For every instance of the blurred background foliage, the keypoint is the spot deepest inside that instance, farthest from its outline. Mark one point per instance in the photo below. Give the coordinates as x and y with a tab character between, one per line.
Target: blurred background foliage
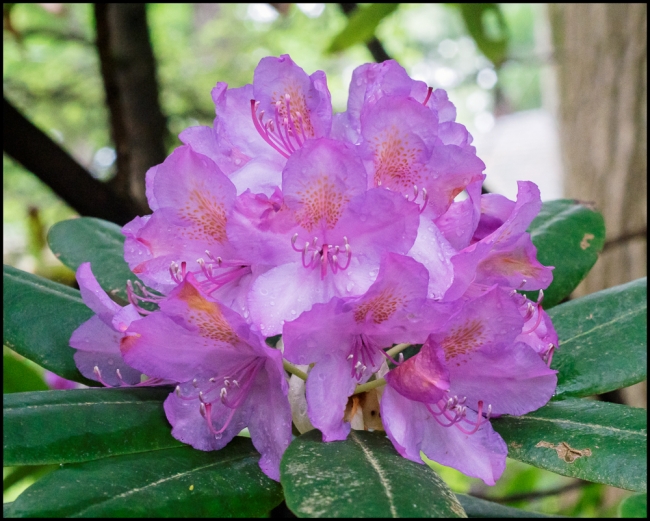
490	57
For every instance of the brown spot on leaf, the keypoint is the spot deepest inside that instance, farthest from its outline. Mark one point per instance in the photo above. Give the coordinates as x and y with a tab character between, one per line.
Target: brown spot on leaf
584	243
565	452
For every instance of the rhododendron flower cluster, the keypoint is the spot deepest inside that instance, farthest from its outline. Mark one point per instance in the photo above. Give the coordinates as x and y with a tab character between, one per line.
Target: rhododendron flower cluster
352	235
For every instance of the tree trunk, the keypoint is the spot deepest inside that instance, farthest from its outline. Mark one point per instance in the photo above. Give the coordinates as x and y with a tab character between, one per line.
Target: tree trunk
128	68
600	51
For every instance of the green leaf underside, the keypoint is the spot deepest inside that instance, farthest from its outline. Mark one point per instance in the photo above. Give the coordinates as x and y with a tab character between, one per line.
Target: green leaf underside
39	317
361	476
99	242
586	439
178	482
361	26
603	340
18	377
568	235
84	424
477	507
635	506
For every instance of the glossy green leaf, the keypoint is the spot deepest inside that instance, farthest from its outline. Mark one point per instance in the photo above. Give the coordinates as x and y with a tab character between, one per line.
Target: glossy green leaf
83	424
603	340
96	241
569	235
39	317
487	26
634	506
361	26
586	439
363	476
19	377
476	507
7	510
179	482
17	474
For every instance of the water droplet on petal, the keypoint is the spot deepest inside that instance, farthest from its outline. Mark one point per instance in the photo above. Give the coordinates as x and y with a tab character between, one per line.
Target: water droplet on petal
293	311
272	303
264	291
349	287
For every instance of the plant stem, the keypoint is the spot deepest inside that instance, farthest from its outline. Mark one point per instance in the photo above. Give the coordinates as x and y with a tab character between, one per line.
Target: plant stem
370	385
397	349
290	368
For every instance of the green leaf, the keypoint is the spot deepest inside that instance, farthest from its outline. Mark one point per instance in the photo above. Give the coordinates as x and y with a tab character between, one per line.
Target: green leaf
363	476
586	439
569	235
83	424
16	474
39	317
99	242
179	482
7	510
634	506
361	26
603	340
487	26
18	377
476	507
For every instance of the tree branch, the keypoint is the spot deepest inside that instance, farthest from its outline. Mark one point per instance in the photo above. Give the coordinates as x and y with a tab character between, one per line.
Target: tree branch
32	148
128	67
375	47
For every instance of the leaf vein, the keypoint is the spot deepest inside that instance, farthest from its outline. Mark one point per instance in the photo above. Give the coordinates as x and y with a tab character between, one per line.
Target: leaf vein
380	473
599	326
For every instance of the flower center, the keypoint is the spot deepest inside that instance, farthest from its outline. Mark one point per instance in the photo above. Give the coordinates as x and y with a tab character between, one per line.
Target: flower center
231	390
323	256
285	132
454	411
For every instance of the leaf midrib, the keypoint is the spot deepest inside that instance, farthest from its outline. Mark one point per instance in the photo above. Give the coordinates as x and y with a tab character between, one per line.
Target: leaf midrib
382	479
636	311
180	474
55	291
640	434
75	404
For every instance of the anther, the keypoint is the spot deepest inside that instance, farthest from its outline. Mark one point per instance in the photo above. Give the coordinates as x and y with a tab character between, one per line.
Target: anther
400	359
178	390
223	393
201	396
350	357
212	380
195	382
202	409
489	411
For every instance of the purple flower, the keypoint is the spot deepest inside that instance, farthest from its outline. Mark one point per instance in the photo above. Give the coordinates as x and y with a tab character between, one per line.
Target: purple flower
259	126
439	401
341	231
192	201
56	382
346	338
501	251
97	340
231	379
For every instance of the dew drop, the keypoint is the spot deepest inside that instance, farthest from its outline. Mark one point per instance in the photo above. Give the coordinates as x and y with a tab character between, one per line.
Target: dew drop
110	361
264	291
293	311
272	303
349	287
237	161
